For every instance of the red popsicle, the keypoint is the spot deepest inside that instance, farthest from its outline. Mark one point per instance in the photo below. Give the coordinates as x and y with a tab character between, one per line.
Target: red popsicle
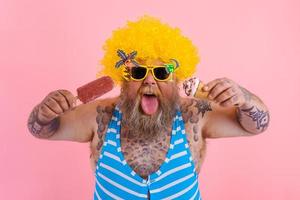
95	89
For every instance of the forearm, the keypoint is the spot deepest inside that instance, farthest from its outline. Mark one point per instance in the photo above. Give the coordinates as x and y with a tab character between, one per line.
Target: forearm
253	115
39	129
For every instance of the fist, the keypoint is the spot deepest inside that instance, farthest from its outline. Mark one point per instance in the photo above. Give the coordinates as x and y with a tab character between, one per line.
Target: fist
54	104
226	92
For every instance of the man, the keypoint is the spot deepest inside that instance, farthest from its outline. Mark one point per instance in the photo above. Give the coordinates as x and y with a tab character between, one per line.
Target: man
149	142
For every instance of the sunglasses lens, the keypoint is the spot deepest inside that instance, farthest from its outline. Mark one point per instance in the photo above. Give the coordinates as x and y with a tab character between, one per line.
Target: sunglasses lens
138	72
161	73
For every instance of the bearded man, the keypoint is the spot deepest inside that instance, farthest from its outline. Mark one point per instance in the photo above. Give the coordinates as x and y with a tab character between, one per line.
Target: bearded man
149	142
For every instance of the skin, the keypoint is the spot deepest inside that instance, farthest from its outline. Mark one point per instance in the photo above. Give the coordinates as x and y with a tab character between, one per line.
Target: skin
229	111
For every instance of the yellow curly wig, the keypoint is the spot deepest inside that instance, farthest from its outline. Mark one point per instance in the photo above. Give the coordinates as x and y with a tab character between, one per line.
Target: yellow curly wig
152	39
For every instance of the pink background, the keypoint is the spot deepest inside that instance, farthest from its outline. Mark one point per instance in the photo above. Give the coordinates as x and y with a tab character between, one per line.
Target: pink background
49	45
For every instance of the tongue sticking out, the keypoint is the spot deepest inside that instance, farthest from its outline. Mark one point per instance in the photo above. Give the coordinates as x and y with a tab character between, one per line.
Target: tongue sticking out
149	104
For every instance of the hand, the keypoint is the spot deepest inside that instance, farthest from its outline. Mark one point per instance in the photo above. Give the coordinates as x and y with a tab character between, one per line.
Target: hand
54	104
226	92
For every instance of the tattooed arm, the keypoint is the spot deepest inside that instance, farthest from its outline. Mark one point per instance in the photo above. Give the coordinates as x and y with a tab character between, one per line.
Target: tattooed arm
235	111
209	120
56	118
253	115
76	124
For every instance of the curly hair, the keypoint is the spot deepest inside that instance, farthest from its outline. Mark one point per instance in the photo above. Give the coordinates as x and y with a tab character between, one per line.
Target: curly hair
152	39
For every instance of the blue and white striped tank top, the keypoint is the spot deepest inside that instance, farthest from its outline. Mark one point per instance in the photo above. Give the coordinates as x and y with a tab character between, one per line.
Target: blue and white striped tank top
175	179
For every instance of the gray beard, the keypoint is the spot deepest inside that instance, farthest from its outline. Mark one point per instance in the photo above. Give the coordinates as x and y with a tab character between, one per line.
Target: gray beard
139	124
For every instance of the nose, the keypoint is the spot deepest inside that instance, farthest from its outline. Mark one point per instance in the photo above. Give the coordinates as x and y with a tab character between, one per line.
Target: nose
149	80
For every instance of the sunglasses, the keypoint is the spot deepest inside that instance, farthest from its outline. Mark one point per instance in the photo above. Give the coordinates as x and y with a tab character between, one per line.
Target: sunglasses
160	73
139	72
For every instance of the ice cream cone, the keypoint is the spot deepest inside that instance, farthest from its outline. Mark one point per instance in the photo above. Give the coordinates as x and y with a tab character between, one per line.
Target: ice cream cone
200	93
193	88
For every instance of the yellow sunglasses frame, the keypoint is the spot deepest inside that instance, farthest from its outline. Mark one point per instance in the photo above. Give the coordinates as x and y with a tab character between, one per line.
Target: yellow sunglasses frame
127	76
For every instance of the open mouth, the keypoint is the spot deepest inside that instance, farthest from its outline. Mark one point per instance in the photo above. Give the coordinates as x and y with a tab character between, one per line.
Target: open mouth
149	103
149	95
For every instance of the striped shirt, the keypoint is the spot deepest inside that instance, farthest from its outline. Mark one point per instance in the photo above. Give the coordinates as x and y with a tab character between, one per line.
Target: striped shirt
175	179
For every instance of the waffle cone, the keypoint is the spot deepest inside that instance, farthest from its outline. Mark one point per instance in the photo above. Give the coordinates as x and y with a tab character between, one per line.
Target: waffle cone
199	93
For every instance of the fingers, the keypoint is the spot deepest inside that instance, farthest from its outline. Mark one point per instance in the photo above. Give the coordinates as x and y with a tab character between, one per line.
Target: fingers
213	83
216	87
234	100
69	97
54	104
45	114
226	94
61	101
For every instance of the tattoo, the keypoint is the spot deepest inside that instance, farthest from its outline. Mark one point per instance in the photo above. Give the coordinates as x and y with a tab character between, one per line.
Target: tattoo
39	129
102	119
192	108
239	115
261	117
143	154
196	132
203	106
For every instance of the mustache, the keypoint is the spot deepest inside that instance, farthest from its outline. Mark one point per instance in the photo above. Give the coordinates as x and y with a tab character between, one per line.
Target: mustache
150	90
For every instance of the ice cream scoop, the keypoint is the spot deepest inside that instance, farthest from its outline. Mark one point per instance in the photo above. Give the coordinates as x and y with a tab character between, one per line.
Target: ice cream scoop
94	89
193	87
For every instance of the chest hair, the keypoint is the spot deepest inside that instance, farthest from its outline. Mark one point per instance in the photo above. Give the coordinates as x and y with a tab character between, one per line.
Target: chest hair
144	154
